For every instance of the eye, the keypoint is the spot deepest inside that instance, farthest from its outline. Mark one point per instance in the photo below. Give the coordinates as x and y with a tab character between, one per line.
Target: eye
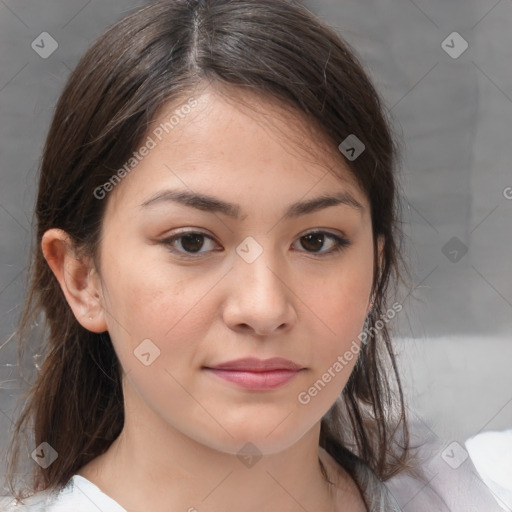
190	242
314	241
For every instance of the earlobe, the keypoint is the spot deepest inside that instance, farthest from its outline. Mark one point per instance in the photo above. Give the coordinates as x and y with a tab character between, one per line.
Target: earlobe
77	279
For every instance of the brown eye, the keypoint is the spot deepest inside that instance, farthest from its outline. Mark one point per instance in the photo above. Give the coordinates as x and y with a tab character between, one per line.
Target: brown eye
316	241
193	242
313	241
189	243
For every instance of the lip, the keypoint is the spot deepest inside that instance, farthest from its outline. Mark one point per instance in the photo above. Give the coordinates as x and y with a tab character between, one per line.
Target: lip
253	364
256	374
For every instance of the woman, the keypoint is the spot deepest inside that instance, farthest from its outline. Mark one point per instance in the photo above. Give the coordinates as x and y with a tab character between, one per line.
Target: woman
216	234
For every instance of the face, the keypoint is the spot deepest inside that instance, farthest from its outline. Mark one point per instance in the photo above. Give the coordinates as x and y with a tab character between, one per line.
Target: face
188	284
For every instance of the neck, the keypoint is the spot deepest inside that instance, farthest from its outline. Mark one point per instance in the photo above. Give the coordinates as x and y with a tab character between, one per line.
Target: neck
154	466
185	475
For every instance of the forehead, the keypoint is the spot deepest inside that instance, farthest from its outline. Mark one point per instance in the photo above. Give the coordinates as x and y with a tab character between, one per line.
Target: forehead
224	142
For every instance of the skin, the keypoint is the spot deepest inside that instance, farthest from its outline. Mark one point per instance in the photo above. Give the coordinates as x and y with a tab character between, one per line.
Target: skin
184	426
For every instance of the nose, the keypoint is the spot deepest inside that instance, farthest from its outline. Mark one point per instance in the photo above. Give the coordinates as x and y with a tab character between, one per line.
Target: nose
259	300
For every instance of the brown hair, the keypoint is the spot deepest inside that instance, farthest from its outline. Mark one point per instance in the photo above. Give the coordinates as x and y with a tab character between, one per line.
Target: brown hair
155	56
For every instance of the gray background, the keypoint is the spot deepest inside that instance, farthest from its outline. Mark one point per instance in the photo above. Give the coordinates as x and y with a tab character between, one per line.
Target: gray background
455	118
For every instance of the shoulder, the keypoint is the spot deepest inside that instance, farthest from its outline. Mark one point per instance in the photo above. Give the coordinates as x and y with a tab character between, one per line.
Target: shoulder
442	484
79	495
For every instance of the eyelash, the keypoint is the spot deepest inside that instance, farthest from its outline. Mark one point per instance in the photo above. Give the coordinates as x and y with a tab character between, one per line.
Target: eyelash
340	243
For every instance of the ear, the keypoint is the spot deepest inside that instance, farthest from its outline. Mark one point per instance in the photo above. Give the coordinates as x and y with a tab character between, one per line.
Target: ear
380	246
78	279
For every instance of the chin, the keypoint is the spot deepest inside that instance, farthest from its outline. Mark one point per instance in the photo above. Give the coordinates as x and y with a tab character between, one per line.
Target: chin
260	439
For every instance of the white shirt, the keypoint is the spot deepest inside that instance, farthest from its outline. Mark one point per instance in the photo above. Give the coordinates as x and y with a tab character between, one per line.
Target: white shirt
455	490
79	495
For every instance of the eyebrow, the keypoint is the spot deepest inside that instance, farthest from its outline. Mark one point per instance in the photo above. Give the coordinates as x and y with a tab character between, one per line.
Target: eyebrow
212	204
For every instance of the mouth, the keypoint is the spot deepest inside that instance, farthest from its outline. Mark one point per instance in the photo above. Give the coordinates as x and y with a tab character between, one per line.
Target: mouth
258	380
256	374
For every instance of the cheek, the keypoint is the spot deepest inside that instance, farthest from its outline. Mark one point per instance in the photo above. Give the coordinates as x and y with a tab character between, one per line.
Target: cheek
157	301
338	304
340	313
341	299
